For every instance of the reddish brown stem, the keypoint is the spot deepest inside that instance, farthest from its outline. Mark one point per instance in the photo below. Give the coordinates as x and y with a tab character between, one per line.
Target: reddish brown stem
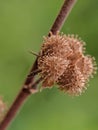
25	91
21	97
62	16
13	110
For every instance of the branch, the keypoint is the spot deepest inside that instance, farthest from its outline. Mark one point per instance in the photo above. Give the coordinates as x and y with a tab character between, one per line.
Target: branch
25	92
19	101
62	16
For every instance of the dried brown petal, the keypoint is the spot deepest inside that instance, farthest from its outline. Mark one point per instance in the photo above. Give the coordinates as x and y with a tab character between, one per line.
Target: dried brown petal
56	45
86	66
51	68
72	81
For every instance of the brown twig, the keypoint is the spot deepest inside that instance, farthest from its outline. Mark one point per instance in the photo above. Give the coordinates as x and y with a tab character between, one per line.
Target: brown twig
62	16
20	99
26	89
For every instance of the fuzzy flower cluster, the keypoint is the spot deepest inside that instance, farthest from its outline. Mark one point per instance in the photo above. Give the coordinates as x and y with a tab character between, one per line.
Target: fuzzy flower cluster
2	109
62	62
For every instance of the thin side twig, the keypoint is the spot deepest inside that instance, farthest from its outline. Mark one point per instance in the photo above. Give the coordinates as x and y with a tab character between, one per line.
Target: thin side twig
25	91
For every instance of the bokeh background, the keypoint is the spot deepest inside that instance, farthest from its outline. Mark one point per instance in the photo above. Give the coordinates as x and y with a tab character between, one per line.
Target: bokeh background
23	23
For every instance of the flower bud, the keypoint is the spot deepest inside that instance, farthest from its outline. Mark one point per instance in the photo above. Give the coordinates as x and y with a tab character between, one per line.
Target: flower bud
62	61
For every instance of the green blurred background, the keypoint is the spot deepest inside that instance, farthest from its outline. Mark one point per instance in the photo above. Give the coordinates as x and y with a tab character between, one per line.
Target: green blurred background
22	26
